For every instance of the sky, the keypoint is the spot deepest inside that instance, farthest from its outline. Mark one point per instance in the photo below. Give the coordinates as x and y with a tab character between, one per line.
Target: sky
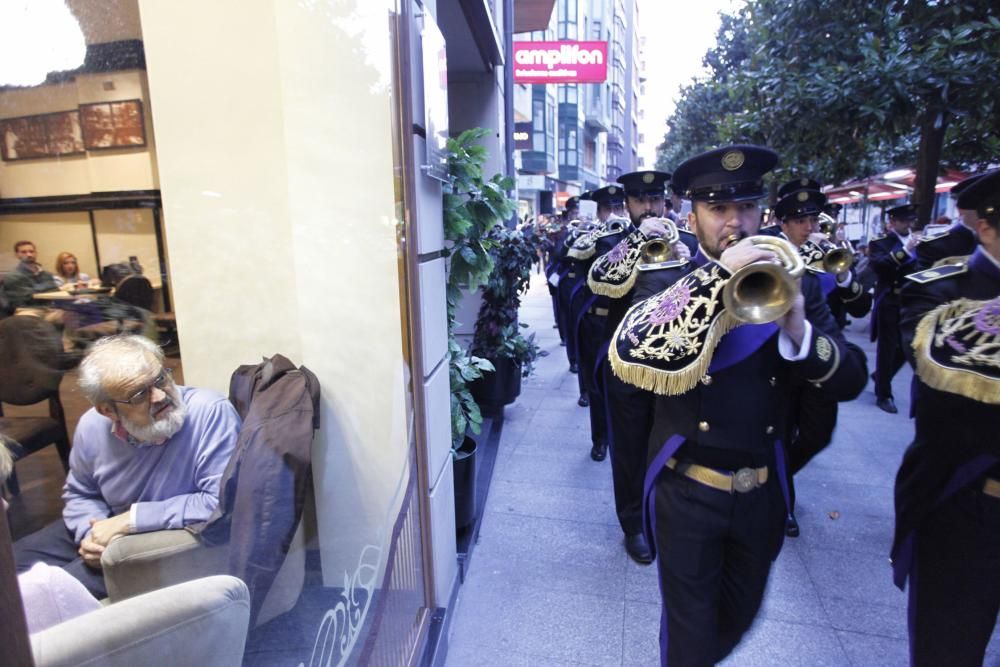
677	35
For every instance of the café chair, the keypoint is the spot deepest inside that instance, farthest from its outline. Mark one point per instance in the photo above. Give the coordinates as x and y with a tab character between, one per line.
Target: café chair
200	622
135	290
31	368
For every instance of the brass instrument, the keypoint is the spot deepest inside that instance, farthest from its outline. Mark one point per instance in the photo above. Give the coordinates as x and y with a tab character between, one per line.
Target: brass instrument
615	224
660	249
764	291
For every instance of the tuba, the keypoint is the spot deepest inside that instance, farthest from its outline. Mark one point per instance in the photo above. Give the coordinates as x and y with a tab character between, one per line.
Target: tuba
764	291
660	249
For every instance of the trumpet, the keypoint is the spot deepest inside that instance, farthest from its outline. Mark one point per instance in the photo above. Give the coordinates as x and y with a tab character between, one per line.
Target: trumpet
615	224
827	225
835	259
763	291
660	249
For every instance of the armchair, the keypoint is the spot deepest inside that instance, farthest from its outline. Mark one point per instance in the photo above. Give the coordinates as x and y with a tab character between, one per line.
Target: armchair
200	622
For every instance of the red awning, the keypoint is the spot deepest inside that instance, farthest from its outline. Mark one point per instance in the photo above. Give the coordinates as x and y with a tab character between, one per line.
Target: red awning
889	186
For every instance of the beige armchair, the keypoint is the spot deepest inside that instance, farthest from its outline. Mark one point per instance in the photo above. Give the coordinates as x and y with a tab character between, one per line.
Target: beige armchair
137	564
201	622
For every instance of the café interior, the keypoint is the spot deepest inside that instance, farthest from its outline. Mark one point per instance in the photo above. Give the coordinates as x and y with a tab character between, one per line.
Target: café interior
210	189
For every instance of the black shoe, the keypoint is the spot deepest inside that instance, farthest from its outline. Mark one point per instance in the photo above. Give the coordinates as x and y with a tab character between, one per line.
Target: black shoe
637	549
573	368
599	451
791	527
887	404
583	401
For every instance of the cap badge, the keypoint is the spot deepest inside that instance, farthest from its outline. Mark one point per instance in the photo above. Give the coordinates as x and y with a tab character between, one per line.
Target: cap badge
803	196
804	181
648	178
612	190
732	160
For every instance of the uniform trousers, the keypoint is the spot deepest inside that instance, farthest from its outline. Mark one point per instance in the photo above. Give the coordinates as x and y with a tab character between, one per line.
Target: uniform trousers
630	416
889	357
591	334
955	587
55	545
714	554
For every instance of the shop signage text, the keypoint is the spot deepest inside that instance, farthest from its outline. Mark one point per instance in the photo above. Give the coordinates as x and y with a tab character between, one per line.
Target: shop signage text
560	62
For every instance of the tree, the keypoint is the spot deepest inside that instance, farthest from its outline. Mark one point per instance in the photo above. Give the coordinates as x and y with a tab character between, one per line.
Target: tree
846	89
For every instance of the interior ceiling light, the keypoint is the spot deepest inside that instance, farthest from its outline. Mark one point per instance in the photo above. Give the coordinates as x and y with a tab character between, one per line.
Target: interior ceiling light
40	36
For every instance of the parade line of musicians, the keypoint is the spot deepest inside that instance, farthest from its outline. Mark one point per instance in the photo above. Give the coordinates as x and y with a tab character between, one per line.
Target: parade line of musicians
710	354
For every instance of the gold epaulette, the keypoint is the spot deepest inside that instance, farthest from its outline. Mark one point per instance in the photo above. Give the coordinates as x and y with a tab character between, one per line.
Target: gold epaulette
955	347
613	273
947	268
665	343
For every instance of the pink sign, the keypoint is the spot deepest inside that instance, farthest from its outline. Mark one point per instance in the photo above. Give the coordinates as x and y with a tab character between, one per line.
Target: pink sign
560	62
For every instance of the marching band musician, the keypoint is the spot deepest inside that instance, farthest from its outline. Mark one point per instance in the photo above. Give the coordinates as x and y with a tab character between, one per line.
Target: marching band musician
947	538
893	257
958	240
714	502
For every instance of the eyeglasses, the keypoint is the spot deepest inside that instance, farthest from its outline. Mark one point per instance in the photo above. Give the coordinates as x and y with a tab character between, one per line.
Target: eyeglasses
138	398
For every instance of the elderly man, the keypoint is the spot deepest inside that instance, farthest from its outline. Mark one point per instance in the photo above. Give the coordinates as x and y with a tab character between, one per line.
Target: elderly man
148	456
27	279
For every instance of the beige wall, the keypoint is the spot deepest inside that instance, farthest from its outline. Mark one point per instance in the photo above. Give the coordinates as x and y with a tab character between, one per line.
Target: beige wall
96	171
275	127
122	233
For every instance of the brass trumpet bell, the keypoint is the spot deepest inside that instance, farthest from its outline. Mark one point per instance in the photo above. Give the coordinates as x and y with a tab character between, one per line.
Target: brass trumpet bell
660	249
655	251
762	292
837	260
616	224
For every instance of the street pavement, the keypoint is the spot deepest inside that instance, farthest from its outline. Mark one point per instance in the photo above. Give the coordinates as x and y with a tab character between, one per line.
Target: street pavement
549	582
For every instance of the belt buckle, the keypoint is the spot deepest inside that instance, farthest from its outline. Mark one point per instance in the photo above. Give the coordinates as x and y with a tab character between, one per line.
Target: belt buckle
745	479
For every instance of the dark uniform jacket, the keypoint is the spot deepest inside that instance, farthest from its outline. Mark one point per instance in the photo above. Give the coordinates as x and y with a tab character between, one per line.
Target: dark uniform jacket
951	429
957	241
891	264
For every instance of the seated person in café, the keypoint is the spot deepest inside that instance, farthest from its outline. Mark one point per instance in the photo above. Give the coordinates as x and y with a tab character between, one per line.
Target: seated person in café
27	279
68	271
49	594
148	456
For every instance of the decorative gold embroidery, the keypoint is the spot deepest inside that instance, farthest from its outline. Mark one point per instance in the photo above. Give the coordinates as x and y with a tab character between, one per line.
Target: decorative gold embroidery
613	273
665	343
957	348
823	348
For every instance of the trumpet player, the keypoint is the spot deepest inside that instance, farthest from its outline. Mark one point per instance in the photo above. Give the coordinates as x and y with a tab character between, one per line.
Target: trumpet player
947	493
814	415
715	507
893	257
958	240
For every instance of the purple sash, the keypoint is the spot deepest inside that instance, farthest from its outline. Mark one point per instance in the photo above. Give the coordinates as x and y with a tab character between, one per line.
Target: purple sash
739	344
656	466
827	283
902	558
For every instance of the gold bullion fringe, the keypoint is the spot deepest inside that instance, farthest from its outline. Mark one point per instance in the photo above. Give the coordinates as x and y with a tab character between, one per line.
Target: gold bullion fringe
584	253
952	380
671	383
610	289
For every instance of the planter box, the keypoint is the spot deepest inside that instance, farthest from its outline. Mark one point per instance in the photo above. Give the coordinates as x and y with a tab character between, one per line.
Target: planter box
464	469
497	389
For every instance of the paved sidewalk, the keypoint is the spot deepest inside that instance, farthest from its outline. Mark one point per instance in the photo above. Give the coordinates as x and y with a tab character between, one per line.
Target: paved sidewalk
550	584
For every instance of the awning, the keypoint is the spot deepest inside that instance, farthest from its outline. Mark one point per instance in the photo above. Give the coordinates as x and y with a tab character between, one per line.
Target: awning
888	186
531	15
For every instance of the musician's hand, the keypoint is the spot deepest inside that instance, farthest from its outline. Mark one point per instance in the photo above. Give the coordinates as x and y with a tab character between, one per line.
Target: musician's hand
653	228
911	243
818	238
736	256
793	323
681	251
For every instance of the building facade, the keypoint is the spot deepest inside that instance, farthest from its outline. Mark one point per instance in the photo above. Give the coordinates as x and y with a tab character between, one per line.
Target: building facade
582	135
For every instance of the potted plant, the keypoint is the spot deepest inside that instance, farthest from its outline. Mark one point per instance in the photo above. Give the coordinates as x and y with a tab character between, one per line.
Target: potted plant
498	335
472	206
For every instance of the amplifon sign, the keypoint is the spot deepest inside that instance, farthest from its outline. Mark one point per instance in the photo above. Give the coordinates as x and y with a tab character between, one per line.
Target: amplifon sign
560	62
